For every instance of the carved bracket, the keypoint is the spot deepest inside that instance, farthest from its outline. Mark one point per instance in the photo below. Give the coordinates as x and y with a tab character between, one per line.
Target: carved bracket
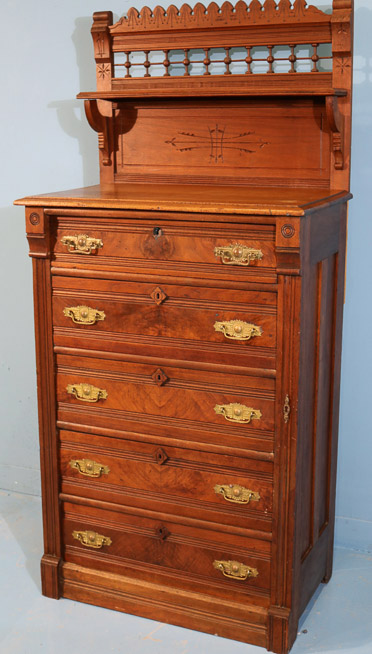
100	124
336	123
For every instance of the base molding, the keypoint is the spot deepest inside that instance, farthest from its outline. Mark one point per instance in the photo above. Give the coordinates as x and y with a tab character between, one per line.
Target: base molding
193	610
50	577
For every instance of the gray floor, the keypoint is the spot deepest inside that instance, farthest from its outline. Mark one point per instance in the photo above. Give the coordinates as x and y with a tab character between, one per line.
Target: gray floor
338	620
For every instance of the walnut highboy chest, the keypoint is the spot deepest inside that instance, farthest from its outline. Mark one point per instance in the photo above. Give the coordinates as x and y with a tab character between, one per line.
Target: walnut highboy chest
188	317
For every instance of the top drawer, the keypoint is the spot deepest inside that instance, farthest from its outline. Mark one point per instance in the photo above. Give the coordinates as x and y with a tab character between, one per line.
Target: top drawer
233	252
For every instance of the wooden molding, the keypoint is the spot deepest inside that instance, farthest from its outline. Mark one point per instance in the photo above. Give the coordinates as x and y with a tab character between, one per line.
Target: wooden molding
202	17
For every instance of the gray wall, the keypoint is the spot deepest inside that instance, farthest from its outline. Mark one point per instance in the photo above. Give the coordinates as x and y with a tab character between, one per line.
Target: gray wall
48	146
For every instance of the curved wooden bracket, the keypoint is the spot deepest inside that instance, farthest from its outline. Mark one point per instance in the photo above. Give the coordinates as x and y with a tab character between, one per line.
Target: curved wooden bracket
100	124
336	123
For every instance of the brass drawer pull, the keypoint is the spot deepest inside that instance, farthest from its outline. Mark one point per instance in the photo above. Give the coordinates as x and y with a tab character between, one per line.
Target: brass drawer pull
92	539
82	243
235	570
89	468
87	392
235	493
235	412
83	315
237	254
238	330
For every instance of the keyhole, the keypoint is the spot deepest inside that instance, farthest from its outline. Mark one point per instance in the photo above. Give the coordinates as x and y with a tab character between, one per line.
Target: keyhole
158	295
157	232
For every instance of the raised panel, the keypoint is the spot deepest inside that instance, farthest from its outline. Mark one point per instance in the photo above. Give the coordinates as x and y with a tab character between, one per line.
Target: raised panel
208	142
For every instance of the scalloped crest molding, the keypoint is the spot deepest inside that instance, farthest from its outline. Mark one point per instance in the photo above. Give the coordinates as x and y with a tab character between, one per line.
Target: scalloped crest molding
228	15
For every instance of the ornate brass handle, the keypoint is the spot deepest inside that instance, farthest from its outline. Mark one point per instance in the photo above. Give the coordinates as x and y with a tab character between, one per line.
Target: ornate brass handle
92	539
235	570
83	315
82	243
87	392
237	254
89	468
235	412
238	330
236	493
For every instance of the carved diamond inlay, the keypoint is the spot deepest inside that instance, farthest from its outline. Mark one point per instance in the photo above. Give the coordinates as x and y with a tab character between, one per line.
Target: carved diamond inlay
160	456
158	295
159	377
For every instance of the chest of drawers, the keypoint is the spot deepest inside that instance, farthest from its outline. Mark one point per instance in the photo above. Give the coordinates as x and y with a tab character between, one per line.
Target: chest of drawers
188	342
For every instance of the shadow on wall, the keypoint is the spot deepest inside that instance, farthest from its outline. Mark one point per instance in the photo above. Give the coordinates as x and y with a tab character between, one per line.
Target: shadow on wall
70	113
362	101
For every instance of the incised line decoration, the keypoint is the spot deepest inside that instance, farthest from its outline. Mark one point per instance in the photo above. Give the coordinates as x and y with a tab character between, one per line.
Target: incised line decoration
216	142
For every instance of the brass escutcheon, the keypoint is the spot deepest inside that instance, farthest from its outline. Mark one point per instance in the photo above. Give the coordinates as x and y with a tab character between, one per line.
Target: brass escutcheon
87	392
235	570
237	254
89	468
286	409
82	243
235	493
238	330
92	539
84	315
235	412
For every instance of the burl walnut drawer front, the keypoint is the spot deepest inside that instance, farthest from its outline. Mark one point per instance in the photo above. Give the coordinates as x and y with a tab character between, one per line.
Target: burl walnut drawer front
195	398
233	251
129	542
219	488
231	326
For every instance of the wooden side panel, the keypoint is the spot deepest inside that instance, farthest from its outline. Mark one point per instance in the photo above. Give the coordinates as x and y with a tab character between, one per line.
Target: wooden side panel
322	303
213	142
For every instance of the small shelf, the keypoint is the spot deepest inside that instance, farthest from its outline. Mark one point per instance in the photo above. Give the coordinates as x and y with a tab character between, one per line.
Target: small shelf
237	85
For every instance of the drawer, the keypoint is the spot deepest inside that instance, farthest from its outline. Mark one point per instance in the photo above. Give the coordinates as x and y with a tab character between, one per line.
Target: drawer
230	326
175	396
233	251
219	488
132	543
